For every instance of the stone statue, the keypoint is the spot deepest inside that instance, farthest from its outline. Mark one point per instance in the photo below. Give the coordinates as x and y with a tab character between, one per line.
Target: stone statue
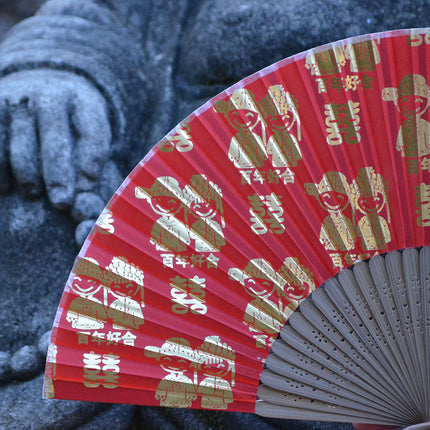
86	88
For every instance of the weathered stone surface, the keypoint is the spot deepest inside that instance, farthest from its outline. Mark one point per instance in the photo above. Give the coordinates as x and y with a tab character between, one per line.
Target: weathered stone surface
26	362
5	369
87	206
37	252
22	407
43	343
19	9
82	231
229	39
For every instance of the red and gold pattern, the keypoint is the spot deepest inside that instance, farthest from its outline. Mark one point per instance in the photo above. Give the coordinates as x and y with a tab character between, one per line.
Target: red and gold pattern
268	190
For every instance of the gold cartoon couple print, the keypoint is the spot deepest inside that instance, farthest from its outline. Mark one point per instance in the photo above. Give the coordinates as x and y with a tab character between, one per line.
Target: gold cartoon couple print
268	129
188	216
207	372
358	220
113	295
275	295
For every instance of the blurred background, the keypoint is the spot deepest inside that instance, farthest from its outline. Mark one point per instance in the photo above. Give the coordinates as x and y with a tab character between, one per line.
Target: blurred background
12	11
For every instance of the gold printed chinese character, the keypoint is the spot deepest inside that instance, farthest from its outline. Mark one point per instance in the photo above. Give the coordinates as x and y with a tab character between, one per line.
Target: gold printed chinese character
280	110
266	214
247	147
176	357
333	194
188	294
166	199
411	99
181	140
342	121
326	65
369	195
267	313
204	198
216	362
101	370
423	204
415	39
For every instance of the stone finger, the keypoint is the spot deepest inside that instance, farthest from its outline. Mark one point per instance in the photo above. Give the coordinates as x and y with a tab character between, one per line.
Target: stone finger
24	156
93	139
58	161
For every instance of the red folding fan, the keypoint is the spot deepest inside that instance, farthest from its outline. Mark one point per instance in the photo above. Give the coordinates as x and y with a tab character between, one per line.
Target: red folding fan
312	165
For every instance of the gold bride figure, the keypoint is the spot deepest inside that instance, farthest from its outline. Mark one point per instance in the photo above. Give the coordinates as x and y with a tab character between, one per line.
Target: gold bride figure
369	195
280	109
204	199
125	311
337	230
216	363
247	147
363	56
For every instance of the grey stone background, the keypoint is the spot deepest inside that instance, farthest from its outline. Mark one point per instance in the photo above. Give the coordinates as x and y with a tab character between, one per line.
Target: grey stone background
86	88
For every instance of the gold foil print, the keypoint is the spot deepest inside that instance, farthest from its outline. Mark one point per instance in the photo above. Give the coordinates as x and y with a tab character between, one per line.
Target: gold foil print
337	230
362	56
342	122
166	199
181	141
51	372
369	195
411	98
349	237
114	294
101	370
204	199
207	371
276	295
217	362
422	193
176	357
280	110
266	214
266	143
106	222
247	147
188	295
190	216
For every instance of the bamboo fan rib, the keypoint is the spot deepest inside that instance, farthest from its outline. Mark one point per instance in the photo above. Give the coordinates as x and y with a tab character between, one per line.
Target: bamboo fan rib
317	163
357	348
